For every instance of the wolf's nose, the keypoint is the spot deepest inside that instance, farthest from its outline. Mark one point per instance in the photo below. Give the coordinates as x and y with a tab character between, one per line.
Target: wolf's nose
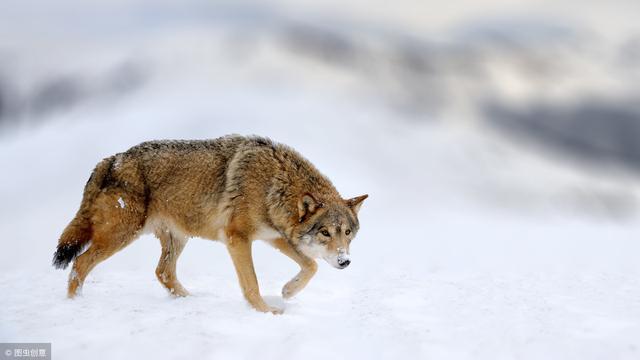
344	263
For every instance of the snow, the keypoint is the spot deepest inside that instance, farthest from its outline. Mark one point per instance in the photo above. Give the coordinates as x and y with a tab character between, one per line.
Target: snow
469	246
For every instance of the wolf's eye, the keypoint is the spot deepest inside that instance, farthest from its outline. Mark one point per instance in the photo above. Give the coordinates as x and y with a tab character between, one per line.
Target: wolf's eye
325	233
347	232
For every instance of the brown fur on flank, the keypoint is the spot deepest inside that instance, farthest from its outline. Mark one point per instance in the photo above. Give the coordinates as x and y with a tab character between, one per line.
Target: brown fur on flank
235	189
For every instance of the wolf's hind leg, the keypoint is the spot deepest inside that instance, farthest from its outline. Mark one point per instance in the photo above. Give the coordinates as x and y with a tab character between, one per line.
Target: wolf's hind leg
172	246
308	268
83	265
100	250
115	225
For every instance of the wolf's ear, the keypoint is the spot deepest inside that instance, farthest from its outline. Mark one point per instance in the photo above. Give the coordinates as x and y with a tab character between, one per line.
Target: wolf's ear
307	206
356	202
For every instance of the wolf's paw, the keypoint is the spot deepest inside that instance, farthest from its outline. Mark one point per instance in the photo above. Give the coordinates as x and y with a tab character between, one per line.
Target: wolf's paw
287	292
291	288
270	309
75	289
275	311
179	292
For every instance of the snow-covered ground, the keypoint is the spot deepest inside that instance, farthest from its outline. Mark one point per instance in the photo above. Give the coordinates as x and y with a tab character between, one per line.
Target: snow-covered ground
471	246
437	272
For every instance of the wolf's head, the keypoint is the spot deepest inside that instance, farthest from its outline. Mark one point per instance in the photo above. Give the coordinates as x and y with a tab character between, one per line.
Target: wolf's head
326	230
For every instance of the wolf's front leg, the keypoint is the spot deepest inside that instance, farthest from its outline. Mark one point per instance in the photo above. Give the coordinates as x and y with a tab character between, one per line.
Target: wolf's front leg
308	268
240	251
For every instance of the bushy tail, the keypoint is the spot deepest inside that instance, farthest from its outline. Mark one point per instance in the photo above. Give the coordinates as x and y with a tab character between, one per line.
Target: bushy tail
79	232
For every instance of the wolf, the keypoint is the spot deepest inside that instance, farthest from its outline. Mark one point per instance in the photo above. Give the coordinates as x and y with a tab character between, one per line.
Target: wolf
233	189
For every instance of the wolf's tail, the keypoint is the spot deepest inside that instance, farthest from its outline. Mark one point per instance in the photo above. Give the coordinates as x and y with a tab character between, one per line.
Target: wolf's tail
79	231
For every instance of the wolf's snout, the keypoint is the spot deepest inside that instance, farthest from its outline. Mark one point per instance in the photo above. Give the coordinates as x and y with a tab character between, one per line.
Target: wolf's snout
343	263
